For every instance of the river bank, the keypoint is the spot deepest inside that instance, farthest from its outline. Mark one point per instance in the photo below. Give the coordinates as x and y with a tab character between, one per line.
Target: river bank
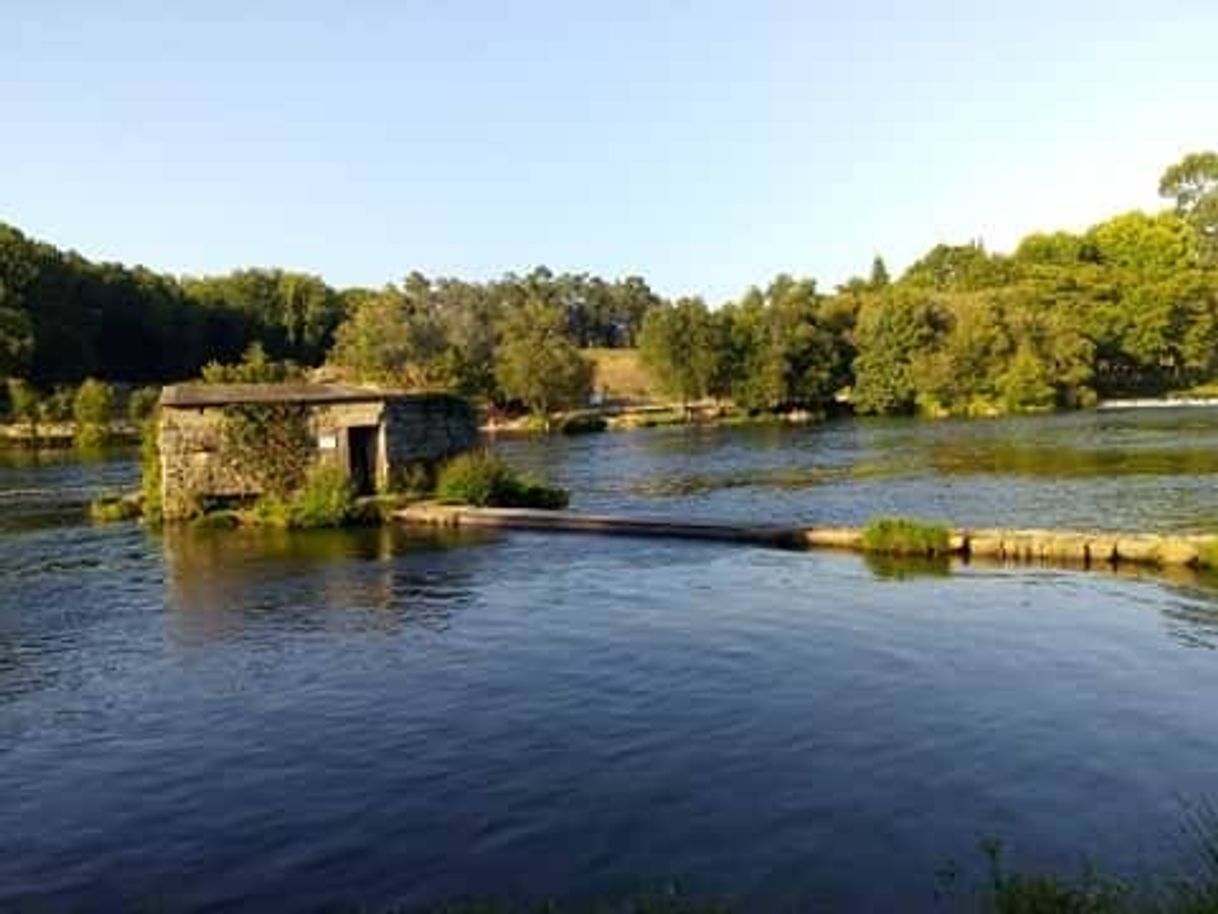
622	416
61	435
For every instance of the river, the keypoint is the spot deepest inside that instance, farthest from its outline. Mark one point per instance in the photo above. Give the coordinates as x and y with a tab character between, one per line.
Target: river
209	720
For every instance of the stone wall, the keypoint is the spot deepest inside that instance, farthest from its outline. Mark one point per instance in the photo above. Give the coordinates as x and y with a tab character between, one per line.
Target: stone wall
193	463
411	431
426	429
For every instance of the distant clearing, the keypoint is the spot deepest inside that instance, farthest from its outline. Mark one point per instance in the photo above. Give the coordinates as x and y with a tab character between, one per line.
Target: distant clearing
619	375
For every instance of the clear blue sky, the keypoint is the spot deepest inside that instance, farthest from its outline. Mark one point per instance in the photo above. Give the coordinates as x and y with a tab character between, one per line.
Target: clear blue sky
706	146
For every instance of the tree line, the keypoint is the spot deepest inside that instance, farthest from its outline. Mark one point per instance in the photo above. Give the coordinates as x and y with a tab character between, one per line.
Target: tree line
1128	306
64	318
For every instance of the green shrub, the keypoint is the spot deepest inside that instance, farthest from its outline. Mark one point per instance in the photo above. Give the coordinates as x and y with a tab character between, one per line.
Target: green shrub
484	480
531	494
271	511
325	500
472	479
901	536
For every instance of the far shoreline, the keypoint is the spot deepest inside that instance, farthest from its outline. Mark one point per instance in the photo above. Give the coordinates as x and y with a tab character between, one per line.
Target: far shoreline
58	436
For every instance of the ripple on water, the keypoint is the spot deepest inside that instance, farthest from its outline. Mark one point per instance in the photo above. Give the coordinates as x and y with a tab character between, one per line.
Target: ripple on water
283	721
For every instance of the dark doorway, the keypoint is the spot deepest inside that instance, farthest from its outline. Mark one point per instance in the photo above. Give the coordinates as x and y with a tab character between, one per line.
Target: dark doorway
361	457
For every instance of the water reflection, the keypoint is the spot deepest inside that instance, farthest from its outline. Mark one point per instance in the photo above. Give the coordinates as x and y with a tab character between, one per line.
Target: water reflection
907	567
220	584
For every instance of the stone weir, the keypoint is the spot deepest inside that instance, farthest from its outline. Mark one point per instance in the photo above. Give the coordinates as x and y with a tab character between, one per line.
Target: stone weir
1077	548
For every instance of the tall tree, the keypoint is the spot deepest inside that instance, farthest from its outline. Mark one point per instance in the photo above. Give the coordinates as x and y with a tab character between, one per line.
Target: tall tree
394	335
1193	184
537	363
677	346
879	278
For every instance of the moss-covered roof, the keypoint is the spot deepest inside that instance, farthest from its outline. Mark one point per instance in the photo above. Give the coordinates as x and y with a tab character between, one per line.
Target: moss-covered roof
197	395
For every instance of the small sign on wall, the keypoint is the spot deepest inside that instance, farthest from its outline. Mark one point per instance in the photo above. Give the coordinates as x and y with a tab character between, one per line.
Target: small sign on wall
327	442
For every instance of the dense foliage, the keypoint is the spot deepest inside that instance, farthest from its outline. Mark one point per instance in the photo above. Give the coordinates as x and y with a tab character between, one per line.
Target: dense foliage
324	499
64	318
271	443
484	480
517	339
1128	306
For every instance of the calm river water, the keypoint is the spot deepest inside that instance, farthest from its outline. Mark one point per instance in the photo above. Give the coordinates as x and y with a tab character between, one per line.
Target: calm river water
205	721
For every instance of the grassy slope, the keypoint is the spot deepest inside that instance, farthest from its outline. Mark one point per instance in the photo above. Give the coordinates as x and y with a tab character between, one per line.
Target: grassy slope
620	376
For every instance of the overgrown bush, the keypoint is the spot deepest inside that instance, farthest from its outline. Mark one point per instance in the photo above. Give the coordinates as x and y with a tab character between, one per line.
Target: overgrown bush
481	479
270	443
325	500
901	536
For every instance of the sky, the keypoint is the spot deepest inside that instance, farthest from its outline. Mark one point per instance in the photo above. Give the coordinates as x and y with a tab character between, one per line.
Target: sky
706	146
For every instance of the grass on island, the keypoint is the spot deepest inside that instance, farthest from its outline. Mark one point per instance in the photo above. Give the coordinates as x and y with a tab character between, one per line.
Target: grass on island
325	500
483	480
902	536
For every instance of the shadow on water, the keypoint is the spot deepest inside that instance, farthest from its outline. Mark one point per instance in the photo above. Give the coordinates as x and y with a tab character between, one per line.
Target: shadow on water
220	584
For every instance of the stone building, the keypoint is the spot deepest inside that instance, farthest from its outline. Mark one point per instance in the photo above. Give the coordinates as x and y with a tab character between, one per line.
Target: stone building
375	437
